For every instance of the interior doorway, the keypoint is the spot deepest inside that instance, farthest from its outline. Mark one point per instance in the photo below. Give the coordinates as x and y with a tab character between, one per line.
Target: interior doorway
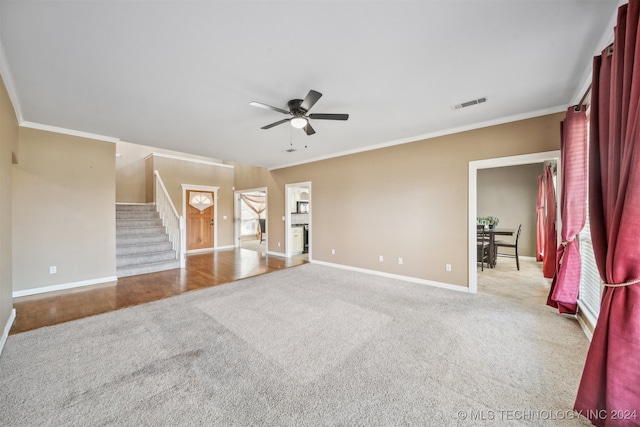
250	220
298	209
474	166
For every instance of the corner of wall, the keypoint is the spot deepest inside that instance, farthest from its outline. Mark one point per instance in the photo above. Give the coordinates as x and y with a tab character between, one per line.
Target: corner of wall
7	328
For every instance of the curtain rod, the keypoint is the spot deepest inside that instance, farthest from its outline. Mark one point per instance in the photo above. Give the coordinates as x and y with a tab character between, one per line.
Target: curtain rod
588	91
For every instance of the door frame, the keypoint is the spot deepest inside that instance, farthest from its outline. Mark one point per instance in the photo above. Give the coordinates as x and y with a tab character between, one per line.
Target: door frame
474	166
237	215
287	217
207	188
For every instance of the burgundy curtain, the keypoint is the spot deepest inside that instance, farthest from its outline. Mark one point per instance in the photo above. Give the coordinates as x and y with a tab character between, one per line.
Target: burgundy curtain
549	261
573	205
611	376
540	220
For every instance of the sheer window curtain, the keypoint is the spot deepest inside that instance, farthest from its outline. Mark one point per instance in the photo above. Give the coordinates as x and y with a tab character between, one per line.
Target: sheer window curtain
611	377
257	202
565	286
540	234
549	260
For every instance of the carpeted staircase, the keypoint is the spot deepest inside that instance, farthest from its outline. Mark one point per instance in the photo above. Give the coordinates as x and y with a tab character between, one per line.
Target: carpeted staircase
142	243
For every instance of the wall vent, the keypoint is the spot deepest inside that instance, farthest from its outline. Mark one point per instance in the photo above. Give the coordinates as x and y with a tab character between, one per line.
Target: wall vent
470	103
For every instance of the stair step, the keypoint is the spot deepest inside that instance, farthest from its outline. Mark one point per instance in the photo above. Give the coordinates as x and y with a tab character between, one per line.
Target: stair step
143	248
139	231
137	215
134	270
127	207
141	239
144	258
142	243
154	222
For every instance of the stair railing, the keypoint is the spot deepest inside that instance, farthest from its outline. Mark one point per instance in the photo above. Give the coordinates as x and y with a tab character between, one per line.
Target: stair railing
170	219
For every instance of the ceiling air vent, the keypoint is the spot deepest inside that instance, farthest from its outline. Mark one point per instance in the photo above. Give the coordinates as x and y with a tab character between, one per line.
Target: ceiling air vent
470	103
290	150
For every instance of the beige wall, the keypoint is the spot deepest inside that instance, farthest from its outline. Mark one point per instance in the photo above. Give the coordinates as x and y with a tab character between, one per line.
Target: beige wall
175	173
8	148
408	201
510	193
63	210
131	171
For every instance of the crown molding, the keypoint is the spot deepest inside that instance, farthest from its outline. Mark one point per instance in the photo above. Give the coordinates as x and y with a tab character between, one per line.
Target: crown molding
436	134
8	83
188	159
56	129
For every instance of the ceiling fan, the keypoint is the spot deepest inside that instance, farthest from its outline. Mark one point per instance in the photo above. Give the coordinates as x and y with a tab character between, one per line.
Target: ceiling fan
298	110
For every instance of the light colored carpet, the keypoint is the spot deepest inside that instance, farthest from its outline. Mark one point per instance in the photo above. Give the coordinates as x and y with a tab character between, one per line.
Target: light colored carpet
309	345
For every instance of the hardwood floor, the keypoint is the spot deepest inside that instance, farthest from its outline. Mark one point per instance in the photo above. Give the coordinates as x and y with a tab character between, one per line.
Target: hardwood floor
202	271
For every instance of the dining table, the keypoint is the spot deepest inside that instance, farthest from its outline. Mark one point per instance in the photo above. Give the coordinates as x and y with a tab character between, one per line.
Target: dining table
491	233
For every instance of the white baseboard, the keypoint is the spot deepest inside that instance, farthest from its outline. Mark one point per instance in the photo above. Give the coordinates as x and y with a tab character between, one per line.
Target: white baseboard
586	320
63	286
585	327
209	250
280	254
7	328
448	286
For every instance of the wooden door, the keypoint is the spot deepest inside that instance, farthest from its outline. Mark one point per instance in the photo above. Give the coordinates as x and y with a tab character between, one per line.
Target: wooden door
199	226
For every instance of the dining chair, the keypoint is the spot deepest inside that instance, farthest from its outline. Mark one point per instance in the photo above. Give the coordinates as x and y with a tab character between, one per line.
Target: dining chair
509	245
483	247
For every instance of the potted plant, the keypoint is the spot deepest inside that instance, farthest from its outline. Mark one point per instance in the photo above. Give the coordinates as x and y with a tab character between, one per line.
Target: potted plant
488	221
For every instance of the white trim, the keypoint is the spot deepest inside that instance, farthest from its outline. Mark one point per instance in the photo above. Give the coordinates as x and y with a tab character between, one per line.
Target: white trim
8	83
459	129
278	254
187	159
442	285
586	319
56	129
7	328
473	196
209	250
63	286
584	328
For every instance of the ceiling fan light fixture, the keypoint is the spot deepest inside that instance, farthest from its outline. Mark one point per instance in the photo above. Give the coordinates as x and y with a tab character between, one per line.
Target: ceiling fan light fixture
298	122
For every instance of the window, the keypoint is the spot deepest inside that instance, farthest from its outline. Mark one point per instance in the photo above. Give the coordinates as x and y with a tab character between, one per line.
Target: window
590	282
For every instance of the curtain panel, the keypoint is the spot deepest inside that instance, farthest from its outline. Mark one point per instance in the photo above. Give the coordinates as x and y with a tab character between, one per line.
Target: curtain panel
565	286
549	260
540	220
611	377
256	203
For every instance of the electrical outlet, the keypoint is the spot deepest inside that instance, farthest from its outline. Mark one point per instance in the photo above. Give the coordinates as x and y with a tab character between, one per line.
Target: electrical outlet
447	267
224	217
399	260
333	251
53	269
380	258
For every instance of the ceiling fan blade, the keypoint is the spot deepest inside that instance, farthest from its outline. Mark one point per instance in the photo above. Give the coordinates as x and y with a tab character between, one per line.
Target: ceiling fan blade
310	100
308	129
269	107
323	116
279	122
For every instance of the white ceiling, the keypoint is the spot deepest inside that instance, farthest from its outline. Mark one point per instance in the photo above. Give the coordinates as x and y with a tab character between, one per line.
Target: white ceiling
180	74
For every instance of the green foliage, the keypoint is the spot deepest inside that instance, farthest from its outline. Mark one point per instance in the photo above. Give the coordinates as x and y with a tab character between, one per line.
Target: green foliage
488	220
